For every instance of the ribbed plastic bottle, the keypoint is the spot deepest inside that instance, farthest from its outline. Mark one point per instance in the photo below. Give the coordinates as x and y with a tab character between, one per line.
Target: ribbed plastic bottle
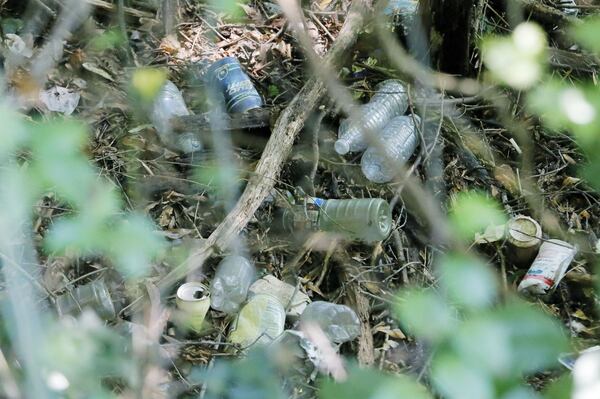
169	103
339	322
389	100
400	139
365	219
229	287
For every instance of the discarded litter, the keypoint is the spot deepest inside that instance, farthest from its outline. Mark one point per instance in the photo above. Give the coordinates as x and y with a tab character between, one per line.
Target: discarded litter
94	295
168	104
339	322
548	268
364	219
568	359
193	301
524	236
288	295
17	46
229	287
227	77
60	99
389	100
260	321
400	139
586	374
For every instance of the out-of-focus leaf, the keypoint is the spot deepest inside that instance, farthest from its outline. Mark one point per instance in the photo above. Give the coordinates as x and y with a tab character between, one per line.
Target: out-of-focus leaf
560	388
536	339
457	380
370	384
133	244
468	282
426	314
588	33
107	40
518	60
12	131
473	212
147	82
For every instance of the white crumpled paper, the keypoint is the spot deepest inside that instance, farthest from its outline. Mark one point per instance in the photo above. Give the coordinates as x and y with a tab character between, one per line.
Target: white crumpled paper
60	99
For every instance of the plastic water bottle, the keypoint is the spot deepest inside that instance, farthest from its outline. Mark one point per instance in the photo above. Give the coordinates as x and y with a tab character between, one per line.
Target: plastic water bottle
229	287
362	219
94	295
260	321
339	322
389	100
169	103
400	140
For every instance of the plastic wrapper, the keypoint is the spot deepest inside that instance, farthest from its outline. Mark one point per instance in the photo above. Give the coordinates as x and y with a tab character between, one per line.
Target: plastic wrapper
260	321
547	269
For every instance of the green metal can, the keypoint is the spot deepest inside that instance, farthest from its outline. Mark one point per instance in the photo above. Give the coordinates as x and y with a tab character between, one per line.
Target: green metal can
365	219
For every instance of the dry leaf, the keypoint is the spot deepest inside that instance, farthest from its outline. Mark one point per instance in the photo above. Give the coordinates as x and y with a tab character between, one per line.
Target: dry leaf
88	66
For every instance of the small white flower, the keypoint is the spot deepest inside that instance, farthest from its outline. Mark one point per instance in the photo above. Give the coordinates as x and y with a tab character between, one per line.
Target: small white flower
576	107
529	38
57	381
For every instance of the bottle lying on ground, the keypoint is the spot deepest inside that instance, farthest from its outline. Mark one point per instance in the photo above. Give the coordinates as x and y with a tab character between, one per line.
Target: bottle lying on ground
229	287
390	100
227	78
548	268
364	219
94	295
339	322
167	104
399	138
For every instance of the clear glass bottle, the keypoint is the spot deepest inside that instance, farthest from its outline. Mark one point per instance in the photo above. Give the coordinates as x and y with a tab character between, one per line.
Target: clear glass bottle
389	100
169	103
260	321
400	139
339	322
229	287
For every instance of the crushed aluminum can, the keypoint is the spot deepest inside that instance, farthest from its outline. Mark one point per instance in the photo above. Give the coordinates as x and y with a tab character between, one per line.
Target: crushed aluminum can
193	301
227	77
547	269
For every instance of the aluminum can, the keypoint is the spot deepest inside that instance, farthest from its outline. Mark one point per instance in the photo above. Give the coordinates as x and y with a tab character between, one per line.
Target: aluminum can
226	76
193	301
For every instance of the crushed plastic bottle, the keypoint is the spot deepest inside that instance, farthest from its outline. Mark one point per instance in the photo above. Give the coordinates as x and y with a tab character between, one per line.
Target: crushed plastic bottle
400	139
260	321
363	219
229	287
548	268
339	322
290	296
193	301
169	103
389	100
94	295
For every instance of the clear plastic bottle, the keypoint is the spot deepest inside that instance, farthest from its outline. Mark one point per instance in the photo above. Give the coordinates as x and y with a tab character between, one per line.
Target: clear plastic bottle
389	100
260	321
339	322
400	138
168	104
94	295
229	287
363	219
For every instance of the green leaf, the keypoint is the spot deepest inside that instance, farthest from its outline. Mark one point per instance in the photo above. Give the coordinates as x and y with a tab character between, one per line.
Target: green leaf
588	33
133	244
12	131
147	82
536	338
457	380
473	212
426	314
370	384
468	281
561	388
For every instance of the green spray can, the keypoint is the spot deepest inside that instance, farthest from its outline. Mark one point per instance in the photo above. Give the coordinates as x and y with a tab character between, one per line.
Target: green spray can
364	219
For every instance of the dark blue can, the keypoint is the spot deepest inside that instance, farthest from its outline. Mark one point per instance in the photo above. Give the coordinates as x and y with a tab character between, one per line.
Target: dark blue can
227	77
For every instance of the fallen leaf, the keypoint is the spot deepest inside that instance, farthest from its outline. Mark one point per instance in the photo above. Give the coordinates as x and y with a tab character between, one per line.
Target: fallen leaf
93	68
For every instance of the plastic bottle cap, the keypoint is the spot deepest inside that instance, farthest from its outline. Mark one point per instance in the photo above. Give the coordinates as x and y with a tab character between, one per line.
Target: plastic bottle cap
342	147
